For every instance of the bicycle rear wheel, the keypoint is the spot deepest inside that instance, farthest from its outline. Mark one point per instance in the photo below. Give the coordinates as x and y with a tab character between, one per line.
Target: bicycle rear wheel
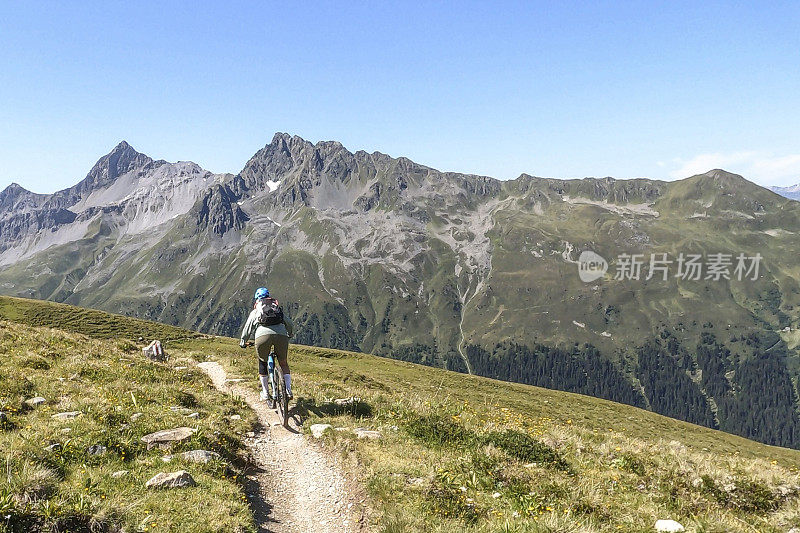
281	398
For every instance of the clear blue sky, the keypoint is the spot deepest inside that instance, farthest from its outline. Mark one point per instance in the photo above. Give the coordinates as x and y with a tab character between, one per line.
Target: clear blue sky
564	89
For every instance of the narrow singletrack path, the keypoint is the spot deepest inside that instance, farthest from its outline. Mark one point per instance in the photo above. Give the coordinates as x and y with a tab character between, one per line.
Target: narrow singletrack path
296	487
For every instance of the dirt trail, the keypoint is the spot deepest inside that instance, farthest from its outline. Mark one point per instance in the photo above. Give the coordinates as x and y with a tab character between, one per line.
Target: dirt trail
296	486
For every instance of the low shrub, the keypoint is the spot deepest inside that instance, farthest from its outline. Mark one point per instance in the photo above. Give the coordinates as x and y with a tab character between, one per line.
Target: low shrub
526	448
438	430
630	463
446	498
743	495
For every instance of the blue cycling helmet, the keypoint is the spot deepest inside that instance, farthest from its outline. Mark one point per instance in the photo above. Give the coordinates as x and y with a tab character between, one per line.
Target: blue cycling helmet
261	292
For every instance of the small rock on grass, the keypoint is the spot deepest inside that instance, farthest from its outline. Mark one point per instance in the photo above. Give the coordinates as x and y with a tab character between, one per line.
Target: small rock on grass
172	480
120	473
36	401
54	448
68	415
364	433
234	417
166	437
669	526
200	456
97	449
346	401
195	456
135	417
317	430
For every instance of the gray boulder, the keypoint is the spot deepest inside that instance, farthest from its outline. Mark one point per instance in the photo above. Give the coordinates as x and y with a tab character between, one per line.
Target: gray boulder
317	430
344	402
172	480
36	401
364	433
200	456
669	526
166	437
96	449
68	415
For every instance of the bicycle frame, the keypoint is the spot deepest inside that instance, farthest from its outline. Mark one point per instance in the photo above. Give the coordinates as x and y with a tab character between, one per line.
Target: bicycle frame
277	389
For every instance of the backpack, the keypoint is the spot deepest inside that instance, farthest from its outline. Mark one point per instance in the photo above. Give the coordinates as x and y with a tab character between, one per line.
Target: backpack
268	312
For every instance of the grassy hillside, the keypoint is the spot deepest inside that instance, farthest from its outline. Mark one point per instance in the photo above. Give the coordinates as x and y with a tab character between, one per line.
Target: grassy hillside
54	480
456	452
468	453
97	324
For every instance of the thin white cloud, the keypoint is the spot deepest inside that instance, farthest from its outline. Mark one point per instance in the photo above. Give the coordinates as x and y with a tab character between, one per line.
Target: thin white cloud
763	168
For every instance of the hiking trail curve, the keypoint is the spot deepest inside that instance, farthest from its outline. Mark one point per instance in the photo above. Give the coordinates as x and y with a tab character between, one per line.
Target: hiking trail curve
295	487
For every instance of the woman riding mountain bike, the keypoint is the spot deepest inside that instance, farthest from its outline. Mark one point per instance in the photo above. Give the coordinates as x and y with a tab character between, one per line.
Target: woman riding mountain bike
271	330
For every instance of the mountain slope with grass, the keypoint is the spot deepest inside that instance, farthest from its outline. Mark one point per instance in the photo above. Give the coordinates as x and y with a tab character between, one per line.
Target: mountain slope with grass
383	255
487	455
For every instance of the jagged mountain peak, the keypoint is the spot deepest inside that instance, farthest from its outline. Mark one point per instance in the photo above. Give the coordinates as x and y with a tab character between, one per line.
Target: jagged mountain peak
13	190
15	197
14	185
119	161
9	196
292	155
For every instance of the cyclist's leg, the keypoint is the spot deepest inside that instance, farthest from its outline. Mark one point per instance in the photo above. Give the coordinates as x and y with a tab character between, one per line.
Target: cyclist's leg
263	346
281	343
263	377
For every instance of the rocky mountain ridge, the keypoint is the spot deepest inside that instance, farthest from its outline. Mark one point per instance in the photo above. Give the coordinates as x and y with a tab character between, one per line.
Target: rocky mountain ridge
381	254
793	191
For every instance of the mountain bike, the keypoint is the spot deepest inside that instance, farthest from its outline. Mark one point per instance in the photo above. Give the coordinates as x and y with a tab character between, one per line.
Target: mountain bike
277	396
276	392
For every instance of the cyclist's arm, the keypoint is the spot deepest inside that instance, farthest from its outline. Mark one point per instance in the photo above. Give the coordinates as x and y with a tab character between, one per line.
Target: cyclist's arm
247	331
289	326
